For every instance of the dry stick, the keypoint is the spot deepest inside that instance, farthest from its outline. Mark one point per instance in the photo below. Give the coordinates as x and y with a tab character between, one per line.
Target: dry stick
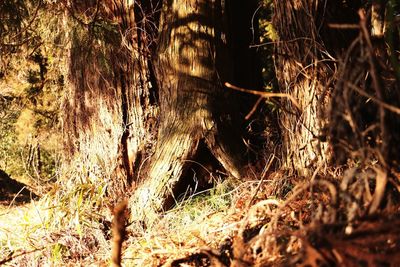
381	178
248	116
374	99
263	175
344	26
118	231
264	94
376	82
381	181
12	256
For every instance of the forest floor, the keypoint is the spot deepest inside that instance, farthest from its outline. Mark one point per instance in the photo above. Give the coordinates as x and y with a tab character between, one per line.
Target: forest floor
10	220
280	220
16	219
14	201
13	192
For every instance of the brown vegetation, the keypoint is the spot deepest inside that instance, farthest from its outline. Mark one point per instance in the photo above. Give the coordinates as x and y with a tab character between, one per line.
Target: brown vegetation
160	108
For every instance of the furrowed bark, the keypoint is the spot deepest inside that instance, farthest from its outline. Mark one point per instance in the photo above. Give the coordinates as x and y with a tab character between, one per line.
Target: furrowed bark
108	110
193	62
303	71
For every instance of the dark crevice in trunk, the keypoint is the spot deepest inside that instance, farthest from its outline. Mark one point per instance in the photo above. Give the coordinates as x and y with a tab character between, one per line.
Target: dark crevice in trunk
125	135
154	89
243	21
137	164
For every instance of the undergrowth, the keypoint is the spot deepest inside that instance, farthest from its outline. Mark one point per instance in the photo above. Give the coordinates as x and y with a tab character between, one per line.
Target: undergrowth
71	225
283	220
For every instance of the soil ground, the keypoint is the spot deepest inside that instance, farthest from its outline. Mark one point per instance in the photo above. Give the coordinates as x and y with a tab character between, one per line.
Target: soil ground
14	200
13	192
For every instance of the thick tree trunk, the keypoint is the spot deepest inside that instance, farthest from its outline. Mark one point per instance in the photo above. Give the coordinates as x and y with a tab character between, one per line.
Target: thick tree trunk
302	67
311	38
194	59
112	110
109	112
378	18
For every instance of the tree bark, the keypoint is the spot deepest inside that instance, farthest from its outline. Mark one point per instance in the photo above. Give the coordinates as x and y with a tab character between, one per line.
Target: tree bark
303	71
146	111
378	18
194	59
109	110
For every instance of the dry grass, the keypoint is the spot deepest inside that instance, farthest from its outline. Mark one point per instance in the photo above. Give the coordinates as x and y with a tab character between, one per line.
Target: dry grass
344	216
66	226
279	221
72	227
200	221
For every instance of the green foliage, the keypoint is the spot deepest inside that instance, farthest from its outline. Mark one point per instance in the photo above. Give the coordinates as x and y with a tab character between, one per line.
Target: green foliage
196	207
31	82
392	35
8	149
268	36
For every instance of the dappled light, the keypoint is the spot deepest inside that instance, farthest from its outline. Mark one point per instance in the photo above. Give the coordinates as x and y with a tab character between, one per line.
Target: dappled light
199	133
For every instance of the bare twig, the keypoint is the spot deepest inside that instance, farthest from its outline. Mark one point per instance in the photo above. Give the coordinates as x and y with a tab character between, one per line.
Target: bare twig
380	187
374	99
263	175
264	94
255	106
376	82
12	255
118	231
344	26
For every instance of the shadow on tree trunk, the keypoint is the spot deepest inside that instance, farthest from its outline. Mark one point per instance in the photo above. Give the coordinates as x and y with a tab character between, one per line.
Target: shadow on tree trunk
198	51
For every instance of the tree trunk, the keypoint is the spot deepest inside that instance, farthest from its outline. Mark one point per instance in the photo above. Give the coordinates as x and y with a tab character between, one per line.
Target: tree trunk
120	82
303	71
109	109
378	18
194	59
